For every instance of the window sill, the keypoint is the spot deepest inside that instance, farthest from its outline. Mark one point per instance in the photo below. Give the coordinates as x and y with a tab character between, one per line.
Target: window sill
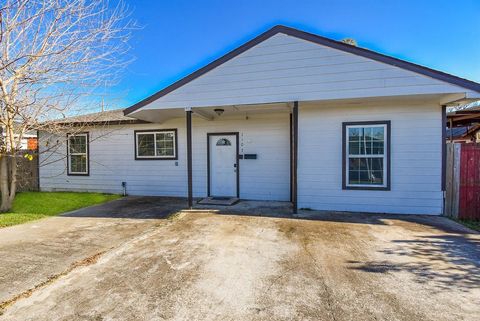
156	158
367	188
78	174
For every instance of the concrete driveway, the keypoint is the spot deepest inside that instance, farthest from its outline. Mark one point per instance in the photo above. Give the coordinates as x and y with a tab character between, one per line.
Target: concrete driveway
220	266
33	252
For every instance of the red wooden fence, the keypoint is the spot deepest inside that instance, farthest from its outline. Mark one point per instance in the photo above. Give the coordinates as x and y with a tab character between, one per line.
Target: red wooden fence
469	194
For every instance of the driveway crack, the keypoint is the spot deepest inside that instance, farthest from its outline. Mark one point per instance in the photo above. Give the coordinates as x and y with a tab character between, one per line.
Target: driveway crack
326	288
92	259
87	261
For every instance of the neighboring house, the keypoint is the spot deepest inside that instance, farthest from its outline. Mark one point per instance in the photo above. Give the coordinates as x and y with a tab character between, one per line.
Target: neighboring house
464	134
28	141
288	116
464	125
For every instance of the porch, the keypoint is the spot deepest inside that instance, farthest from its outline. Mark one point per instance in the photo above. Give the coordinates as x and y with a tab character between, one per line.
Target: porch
239	151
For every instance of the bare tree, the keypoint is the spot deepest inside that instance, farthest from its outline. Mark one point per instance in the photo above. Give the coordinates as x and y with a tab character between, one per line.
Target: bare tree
52	54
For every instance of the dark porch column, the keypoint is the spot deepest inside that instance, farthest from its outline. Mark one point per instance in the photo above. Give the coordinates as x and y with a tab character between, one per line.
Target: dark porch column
294	155
444	153
189	156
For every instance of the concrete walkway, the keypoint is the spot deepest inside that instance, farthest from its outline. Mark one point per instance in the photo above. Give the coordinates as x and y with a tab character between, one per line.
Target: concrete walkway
235	266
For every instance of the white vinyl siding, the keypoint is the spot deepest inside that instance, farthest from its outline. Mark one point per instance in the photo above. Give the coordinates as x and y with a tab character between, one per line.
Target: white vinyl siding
416	155
113	161
285	68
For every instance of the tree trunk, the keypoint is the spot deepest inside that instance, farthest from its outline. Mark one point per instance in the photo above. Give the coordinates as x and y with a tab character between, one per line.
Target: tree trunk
4	186
13	180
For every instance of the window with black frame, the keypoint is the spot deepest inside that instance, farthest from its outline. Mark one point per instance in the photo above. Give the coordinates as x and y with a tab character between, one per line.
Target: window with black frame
366	155
77	148
157	144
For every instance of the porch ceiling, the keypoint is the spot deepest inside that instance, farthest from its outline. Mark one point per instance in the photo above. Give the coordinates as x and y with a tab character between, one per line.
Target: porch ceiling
208	113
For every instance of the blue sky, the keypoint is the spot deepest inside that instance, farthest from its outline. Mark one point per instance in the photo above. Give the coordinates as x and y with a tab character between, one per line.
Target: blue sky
179	36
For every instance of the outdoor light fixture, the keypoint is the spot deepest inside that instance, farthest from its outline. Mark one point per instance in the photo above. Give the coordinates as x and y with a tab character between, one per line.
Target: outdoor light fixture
219	111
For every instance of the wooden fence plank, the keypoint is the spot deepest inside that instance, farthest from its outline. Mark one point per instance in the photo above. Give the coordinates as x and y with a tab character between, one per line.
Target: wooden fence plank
27	172
456	179
469	193
448	181
452	177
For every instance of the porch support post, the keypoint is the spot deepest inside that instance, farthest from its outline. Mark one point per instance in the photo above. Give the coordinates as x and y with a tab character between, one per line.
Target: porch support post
188	112
291	157
294	155
444	153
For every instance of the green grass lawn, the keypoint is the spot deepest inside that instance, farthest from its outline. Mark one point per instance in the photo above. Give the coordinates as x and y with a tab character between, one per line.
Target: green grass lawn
30	206
474	225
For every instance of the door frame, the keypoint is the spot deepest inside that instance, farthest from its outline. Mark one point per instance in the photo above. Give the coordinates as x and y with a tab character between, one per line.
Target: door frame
236	157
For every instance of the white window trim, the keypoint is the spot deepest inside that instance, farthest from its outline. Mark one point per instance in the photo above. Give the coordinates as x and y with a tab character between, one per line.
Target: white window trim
384	156
70	154
155	132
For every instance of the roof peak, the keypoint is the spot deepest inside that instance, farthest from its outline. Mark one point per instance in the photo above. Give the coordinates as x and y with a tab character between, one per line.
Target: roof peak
315	38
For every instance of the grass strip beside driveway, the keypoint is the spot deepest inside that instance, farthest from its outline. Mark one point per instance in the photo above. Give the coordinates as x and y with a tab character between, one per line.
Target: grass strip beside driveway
29	206
474	225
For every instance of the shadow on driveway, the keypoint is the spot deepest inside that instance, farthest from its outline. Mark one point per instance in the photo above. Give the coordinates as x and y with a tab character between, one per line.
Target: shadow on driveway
133	207
443	254
445	261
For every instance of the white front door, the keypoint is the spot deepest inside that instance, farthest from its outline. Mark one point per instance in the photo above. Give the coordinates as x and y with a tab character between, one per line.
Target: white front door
223	165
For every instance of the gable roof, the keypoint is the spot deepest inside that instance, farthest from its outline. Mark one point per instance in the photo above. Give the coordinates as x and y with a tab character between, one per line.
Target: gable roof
439	75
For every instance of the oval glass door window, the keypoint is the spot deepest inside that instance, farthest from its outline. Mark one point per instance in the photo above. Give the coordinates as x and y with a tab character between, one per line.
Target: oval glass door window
223	142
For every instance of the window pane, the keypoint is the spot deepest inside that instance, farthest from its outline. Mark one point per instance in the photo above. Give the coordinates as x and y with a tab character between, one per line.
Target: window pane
366	141
365	171
78	163
367	135
377	148
165	144
354	148
165	152
77	144
353	134
378	133
223	142
146	144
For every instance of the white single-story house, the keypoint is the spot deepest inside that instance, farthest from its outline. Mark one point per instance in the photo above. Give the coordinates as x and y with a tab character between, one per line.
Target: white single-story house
288	116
